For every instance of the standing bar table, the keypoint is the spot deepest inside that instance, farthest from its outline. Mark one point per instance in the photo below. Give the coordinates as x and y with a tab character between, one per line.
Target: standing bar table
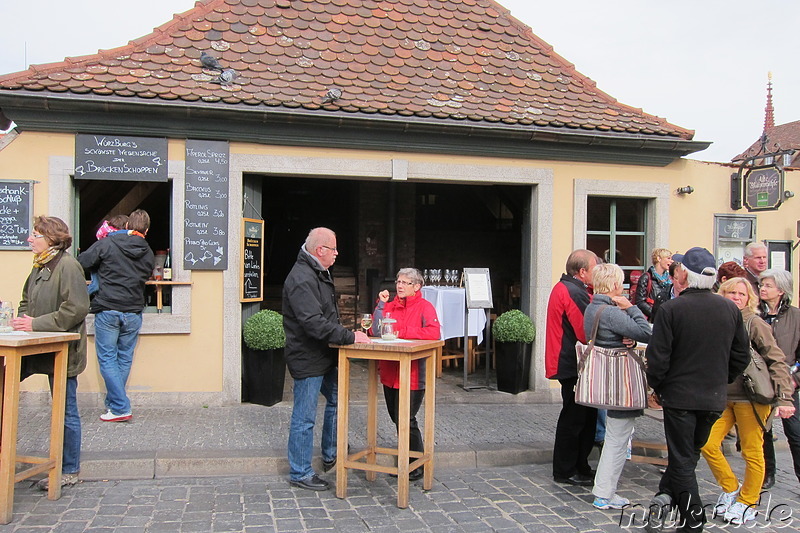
404	352
13	347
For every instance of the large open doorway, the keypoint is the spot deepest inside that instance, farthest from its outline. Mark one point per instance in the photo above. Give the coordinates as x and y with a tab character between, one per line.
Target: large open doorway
383	226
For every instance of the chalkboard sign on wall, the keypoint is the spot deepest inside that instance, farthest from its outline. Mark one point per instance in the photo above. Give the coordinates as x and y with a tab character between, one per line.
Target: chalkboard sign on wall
111	157
16	199
205	206
252	272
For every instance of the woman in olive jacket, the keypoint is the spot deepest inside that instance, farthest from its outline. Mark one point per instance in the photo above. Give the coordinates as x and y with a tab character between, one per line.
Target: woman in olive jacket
55	298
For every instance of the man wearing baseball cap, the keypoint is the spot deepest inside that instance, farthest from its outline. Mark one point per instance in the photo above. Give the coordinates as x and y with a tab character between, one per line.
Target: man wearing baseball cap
699	345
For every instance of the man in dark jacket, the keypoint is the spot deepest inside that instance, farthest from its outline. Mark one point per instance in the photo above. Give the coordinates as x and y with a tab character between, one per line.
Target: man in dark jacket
699	345
124	262
311	321
576	423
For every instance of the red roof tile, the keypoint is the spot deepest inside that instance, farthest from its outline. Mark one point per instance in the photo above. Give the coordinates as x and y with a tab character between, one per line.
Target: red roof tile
448	59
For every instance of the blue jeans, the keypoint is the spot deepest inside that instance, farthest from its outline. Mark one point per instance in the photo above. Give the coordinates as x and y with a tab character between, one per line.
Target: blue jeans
115	337
71	462
304	415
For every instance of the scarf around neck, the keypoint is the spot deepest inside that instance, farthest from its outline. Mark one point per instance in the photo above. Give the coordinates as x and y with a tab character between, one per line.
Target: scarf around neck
41	259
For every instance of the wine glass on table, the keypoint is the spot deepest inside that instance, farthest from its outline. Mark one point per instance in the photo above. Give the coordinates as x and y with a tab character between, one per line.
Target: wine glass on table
426	276
366	322
447	276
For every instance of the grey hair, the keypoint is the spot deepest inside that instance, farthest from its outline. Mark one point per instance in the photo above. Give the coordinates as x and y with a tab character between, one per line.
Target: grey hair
752	247
316	237
783	280
413	274
700	281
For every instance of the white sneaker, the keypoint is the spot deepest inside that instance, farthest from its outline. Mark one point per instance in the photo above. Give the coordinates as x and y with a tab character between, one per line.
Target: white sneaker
614	502
724	502
739	514
111	417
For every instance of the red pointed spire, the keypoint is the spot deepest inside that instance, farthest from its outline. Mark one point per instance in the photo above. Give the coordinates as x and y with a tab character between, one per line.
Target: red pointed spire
769	111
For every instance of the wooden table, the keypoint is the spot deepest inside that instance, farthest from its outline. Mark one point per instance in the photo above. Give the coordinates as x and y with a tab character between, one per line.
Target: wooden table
13	347
404	353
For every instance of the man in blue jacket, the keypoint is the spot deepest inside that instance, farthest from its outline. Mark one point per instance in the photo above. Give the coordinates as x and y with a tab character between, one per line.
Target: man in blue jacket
699	345
311	321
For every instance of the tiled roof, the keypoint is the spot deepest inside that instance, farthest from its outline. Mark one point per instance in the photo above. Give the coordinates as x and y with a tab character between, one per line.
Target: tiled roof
453	60
779	138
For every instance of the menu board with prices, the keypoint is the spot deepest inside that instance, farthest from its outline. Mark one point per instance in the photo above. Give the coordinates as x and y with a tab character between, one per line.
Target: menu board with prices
205	206
16	199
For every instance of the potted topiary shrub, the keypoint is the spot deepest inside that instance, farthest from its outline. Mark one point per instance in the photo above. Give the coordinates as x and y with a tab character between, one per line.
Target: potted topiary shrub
513	336
263	365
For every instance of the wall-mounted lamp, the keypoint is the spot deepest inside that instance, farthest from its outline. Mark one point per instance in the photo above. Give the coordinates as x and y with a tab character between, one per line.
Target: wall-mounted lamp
685	190
788	194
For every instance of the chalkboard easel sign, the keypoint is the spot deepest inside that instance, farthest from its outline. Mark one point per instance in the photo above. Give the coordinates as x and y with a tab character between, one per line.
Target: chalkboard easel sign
16	201
252	271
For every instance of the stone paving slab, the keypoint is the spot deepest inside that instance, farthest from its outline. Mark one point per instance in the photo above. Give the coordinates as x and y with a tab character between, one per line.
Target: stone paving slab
505	499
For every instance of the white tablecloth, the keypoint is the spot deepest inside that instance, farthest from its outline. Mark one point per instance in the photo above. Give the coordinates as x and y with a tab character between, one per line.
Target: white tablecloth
450	304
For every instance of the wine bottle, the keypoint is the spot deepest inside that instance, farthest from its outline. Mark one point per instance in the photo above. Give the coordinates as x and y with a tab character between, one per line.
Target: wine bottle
167	268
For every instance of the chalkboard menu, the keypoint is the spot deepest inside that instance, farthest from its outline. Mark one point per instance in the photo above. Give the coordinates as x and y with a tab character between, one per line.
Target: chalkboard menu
205	206
110	157
252	272
16	199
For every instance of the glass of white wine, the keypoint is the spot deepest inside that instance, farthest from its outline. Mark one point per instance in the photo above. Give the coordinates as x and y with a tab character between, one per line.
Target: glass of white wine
366	322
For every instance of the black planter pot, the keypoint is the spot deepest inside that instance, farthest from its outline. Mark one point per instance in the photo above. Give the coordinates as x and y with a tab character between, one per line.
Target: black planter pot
263	374
513	366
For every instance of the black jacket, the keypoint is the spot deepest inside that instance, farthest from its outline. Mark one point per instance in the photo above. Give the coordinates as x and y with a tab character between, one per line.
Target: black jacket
124	262
698	346
311	319
650	301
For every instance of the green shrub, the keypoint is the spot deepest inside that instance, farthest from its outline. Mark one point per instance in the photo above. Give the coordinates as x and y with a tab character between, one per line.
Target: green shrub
514	326
264	331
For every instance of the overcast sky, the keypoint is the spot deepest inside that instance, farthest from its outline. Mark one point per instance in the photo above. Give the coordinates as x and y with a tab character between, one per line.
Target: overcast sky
701	64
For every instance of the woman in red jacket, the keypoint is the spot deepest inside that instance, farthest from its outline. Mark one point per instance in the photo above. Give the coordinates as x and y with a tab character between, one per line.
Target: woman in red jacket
415	319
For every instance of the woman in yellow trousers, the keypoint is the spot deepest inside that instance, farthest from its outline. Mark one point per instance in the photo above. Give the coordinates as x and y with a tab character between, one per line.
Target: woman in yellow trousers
737	504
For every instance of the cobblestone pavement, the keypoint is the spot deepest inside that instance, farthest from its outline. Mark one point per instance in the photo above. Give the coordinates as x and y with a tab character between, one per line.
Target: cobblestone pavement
522	498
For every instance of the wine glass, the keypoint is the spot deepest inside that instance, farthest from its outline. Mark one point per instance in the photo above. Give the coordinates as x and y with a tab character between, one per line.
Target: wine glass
438	275
426	276
366	322
454	275
447	276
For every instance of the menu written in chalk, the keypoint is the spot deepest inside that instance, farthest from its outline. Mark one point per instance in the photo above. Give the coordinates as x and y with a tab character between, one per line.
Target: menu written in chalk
16	198
205	206
111	157
252	260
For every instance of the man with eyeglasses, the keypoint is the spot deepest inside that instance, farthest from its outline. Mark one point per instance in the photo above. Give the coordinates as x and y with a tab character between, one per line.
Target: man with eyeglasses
311	321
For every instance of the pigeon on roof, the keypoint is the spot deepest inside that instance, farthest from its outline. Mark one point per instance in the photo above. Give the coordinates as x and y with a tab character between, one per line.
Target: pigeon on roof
210	62
333	94
226	76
